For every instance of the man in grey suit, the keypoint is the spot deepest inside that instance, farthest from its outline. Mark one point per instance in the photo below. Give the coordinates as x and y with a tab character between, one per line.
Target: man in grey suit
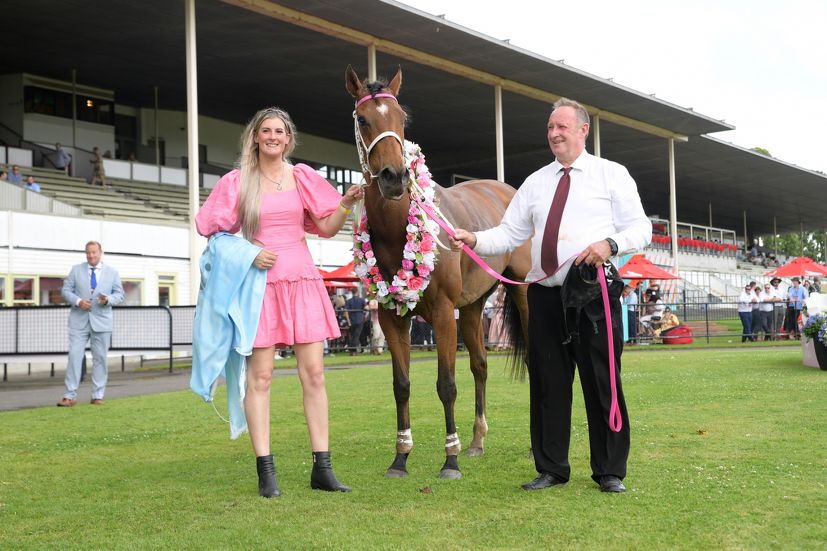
92	288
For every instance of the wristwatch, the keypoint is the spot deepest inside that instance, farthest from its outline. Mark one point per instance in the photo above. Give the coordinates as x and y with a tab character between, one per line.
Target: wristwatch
612	245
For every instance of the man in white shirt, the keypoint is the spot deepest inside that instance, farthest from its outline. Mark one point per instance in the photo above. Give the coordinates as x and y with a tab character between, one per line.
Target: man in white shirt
745	301
602	217
779	300
765	308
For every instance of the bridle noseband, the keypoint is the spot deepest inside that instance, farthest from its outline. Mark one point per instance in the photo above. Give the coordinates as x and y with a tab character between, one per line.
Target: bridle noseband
364	151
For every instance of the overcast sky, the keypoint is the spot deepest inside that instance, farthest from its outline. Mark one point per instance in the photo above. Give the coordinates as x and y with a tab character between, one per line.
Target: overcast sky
758	65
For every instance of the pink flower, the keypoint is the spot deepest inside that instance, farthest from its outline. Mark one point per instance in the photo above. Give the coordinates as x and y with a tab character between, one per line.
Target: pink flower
367	246
369	254
377	278
407	265
373	270
415	283
412	220
423	270
393	289
426	246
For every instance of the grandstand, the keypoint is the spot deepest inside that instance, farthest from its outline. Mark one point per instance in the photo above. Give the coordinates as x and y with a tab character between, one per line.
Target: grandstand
457	84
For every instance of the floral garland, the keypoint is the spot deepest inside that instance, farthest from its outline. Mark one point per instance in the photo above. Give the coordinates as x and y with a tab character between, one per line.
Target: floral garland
418	256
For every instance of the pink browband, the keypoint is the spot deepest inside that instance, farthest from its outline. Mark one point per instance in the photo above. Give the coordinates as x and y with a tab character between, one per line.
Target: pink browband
375	96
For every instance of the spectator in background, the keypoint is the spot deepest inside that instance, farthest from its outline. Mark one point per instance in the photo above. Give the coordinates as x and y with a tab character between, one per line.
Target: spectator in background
31	184
355	307
756	310
92	289
779	302
745	301
795	301
667	322
4	176
498	336
377	338
98	173
816	286
631	301
15	177
62	159
766	300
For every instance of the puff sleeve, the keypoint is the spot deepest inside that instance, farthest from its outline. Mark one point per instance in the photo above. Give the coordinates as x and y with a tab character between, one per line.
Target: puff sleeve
220	211
319	198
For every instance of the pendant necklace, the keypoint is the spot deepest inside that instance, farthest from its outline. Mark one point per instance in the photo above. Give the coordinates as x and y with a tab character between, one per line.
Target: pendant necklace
276	182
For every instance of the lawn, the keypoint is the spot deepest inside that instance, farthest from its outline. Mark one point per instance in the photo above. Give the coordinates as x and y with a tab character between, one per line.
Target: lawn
727	453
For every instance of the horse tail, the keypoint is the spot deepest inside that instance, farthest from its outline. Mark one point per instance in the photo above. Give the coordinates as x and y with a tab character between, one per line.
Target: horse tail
517	359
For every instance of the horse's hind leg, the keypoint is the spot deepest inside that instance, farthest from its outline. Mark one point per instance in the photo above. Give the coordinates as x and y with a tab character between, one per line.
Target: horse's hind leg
398	337
470	323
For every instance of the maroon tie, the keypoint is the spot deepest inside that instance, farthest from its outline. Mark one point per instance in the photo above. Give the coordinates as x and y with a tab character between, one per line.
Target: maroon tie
548	255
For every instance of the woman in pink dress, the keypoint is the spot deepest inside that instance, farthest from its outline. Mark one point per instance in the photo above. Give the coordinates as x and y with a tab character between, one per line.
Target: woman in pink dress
273	203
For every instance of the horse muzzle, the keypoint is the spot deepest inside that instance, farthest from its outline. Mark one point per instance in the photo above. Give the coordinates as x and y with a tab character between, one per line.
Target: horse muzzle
392	183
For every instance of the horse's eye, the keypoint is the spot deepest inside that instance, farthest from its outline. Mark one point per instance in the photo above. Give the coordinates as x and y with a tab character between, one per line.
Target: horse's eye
361	120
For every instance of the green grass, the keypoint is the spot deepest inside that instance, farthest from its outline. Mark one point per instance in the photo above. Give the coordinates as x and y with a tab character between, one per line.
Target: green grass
728	452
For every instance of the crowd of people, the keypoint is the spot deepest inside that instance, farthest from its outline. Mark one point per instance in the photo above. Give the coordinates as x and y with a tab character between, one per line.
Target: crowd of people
772	312
17	178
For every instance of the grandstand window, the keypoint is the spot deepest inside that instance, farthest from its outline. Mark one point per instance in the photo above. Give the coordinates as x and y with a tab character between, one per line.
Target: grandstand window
47	102
166	290
50	290
95	110
23	291
132	292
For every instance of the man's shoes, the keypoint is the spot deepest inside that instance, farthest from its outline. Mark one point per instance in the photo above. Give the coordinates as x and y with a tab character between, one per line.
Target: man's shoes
66	403
96	401
545	480
611	483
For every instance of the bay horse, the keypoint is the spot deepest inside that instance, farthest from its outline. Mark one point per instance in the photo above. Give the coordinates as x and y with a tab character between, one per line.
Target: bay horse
456	281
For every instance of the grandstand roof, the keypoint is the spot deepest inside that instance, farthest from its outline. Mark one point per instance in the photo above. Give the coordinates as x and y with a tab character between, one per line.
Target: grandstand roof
247	60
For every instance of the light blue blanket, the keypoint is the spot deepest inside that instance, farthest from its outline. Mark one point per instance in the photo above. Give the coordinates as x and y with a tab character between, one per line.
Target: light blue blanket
226	321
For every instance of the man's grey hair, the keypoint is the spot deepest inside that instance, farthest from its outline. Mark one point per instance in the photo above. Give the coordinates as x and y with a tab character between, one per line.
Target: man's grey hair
100	248
582	114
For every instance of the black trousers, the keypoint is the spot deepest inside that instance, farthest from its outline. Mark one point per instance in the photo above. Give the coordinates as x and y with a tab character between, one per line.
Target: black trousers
551	376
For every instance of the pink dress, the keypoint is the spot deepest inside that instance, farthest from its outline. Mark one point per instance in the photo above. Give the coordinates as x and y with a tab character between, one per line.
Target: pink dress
296	306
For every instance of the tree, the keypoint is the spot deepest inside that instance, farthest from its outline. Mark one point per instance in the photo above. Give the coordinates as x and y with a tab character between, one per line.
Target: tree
814	244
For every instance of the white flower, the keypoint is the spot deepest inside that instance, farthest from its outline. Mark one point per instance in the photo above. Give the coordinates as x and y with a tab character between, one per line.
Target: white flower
364	237
410	228
361	270
382	289
371	262
397	282
410	255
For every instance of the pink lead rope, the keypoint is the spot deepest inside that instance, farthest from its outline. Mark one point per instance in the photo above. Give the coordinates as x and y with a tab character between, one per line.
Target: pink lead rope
615	419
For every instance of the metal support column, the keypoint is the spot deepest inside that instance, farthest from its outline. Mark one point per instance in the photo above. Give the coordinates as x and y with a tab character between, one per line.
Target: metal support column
673	204
192	147
595	129
371	61
498	131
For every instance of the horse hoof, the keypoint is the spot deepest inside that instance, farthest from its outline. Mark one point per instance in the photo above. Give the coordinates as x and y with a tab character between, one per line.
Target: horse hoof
474	452
450	474
395	473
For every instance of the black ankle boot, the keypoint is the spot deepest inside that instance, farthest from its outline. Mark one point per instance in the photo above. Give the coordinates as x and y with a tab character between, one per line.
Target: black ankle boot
267	486
322	477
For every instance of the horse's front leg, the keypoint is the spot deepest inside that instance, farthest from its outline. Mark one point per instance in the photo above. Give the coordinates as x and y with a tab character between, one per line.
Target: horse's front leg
470	323
445	331
398	336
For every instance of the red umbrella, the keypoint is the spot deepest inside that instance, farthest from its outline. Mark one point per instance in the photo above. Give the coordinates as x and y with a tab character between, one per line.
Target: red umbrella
345	273
639	267
801	266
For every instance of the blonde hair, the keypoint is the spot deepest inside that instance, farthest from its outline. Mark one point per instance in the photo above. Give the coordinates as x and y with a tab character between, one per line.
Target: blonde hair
249	197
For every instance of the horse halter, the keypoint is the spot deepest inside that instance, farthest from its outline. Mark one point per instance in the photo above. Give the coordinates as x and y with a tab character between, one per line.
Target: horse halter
364	151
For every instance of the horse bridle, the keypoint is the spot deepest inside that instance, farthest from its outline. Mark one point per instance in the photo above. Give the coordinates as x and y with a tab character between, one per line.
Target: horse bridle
364	151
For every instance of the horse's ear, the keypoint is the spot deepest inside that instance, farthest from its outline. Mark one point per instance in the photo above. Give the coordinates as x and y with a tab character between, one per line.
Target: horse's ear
352	82
396	83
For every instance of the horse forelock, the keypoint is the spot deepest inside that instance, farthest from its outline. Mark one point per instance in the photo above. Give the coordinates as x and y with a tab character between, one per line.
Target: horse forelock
376	86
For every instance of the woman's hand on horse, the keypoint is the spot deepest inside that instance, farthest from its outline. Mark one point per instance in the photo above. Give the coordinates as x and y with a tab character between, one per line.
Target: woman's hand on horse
265	259
461	237
595	254
353	195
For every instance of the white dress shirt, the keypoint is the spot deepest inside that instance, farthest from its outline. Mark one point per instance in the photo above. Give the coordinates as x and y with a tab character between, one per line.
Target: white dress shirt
745	300
603	202
765	298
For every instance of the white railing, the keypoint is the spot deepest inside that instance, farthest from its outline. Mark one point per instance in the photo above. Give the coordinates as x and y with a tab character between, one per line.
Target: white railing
143	172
